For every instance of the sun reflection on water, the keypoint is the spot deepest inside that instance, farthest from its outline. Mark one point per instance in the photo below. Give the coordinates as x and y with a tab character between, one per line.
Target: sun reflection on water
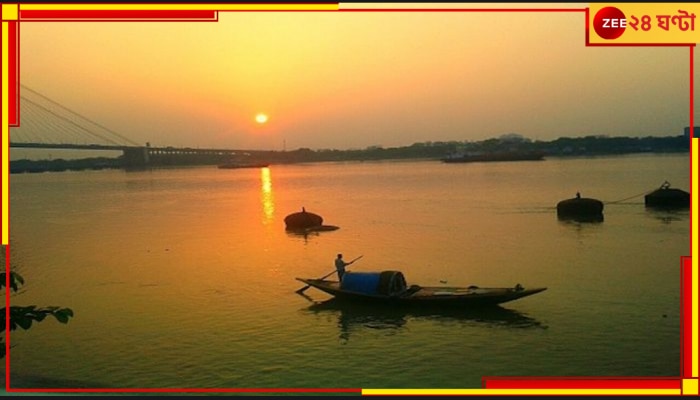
267	198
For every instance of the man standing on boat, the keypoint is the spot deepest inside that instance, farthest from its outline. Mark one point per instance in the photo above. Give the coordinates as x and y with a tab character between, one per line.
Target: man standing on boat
340	265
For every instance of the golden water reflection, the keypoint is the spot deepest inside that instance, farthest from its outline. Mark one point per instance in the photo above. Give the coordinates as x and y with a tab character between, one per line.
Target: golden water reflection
267	198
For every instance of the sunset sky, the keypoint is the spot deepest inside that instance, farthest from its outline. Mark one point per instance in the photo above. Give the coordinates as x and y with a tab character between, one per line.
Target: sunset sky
356	79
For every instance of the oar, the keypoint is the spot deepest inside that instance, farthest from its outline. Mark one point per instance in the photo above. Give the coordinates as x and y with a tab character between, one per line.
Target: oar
300	291
354	260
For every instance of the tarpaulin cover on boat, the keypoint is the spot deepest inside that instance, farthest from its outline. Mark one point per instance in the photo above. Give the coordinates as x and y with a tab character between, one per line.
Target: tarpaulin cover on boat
380	283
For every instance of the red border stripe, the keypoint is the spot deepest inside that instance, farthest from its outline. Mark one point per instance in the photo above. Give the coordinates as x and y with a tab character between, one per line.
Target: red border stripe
115	14
575	383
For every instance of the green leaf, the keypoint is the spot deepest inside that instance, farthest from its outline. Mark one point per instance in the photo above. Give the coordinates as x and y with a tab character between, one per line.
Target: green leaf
23	317
63	315
24	323
16	280
38	316
18	277
62	318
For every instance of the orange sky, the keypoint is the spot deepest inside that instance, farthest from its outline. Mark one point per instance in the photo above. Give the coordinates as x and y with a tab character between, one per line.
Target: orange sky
356	79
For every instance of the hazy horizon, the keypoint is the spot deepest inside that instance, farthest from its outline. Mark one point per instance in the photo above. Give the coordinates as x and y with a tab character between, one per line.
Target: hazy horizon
352	80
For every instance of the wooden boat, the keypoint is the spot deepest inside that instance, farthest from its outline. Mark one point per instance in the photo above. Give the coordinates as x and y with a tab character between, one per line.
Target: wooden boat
390	287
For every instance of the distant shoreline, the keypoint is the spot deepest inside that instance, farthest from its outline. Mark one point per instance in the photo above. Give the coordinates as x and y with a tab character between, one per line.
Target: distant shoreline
562	147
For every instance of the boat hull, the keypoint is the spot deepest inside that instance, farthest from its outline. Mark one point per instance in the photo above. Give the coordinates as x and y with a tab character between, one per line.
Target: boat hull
428	296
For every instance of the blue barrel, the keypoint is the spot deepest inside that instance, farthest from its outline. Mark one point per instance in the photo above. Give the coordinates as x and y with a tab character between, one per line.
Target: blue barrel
361	282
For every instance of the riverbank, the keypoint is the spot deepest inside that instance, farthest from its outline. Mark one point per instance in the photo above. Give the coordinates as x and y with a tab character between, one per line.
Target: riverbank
562	147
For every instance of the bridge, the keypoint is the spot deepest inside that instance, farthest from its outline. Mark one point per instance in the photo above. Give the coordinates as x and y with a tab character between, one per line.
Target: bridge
47	124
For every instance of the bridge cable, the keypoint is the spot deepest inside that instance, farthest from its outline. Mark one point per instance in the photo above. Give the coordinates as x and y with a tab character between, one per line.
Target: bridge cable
38	123
81	116
71	122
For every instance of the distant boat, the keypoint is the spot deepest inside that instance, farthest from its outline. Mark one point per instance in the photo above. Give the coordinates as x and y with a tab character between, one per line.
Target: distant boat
667	197
494	156
235	165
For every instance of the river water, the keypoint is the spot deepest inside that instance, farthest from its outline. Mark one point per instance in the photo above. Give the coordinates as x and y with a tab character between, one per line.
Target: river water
185	277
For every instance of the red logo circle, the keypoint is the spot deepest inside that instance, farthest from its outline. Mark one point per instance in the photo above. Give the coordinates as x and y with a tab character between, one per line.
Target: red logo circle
609	23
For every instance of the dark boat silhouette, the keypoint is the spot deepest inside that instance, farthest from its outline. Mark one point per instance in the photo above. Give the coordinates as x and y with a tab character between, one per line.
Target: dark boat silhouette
304	222
494	156
667	197
581	209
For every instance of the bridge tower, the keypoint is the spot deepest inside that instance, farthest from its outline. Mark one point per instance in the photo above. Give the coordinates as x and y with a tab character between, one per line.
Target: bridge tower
136	156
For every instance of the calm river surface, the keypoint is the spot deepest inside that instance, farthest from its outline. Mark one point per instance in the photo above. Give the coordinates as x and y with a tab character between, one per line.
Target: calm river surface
185	278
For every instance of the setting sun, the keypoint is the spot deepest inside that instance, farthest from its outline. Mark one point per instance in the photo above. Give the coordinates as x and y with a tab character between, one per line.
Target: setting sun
261	118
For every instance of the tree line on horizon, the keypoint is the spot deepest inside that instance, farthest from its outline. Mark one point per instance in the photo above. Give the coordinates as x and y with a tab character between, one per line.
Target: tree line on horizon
561	147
